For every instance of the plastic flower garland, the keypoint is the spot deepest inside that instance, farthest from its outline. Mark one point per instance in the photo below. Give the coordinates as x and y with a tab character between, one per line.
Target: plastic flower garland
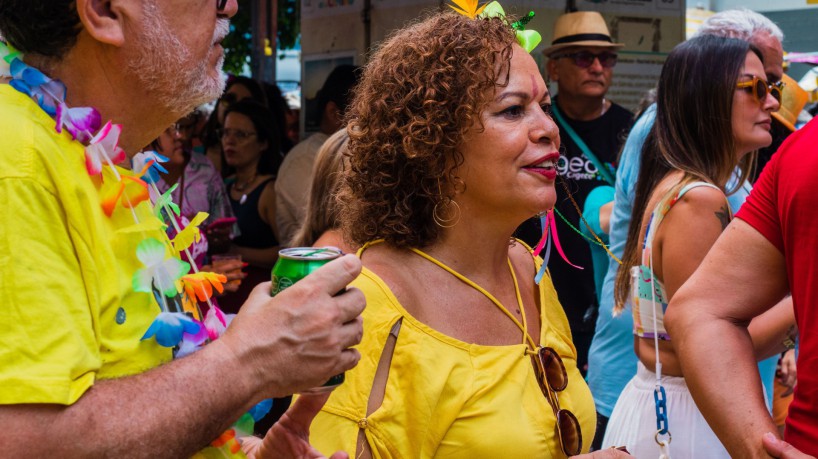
179	325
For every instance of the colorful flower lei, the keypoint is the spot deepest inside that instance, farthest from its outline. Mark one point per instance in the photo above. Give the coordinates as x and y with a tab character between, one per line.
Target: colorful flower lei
179	325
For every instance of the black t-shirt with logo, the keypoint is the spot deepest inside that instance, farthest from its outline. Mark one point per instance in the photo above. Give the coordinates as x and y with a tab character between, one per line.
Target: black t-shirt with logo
604	136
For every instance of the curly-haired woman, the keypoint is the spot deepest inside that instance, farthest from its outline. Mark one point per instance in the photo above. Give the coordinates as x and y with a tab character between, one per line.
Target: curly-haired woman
451	148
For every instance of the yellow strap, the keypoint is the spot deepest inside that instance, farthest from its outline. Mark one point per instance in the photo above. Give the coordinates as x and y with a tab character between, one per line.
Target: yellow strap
367	245
466	280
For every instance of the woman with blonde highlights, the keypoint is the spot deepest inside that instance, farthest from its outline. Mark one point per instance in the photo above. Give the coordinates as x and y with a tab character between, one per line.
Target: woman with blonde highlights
712	112
451	147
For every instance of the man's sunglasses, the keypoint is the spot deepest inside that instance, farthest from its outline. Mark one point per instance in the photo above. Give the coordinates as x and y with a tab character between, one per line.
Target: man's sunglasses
553	378
585	59
759	88
220	5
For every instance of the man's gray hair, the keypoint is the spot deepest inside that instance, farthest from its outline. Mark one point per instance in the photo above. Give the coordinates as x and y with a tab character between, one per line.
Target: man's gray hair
740	23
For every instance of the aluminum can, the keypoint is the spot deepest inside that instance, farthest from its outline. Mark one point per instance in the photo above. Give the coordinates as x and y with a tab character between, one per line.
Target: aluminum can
294	264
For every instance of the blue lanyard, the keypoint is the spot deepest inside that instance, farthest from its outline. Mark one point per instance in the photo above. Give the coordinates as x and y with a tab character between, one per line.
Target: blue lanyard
603	169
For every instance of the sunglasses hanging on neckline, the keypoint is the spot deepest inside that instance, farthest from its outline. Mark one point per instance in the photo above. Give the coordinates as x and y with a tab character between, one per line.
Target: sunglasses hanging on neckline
552	378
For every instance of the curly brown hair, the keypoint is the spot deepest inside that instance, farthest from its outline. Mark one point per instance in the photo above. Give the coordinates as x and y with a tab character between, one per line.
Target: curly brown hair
422	90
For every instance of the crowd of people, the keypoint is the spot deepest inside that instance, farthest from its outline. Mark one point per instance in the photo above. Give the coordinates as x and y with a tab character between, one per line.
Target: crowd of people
239	166
465	196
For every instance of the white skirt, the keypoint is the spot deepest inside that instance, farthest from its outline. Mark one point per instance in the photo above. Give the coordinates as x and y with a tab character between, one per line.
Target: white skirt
633	421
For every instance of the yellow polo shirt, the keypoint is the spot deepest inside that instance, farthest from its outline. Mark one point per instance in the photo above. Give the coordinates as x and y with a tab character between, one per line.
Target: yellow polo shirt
68	313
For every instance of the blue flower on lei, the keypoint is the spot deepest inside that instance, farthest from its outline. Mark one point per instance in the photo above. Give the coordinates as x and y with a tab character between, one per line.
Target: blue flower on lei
140	160
169	328
46	92
80	122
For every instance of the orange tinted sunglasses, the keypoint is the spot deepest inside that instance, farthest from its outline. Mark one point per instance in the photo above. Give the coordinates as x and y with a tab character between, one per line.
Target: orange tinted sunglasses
759	88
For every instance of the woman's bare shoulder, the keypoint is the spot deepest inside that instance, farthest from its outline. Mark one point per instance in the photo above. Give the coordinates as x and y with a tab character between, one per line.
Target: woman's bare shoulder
392	265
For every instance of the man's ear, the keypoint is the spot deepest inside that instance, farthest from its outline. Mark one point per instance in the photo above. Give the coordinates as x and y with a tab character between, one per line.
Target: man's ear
551	67
103	20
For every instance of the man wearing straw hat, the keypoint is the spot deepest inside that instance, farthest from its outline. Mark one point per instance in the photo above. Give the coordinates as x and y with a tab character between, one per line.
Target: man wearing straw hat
592	128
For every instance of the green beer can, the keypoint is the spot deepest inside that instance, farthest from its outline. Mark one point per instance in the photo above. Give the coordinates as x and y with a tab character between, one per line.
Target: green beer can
295	264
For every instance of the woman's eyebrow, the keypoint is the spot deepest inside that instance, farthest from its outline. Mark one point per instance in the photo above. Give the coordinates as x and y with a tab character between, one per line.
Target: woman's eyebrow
505	95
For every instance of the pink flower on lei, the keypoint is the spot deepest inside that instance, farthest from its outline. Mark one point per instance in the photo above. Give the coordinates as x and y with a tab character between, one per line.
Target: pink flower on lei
216	322
103	148
80	122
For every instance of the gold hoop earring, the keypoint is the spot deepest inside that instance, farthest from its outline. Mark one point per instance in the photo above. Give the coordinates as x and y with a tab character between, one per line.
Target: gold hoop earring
450	221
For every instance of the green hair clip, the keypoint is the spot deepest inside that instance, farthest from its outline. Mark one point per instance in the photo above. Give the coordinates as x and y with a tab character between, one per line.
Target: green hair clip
520	25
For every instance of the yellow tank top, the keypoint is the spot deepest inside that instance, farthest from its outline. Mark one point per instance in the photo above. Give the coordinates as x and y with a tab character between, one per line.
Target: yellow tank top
448	398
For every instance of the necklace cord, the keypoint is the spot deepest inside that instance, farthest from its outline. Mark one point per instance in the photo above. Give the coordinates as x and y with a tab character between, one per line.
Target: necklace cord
597	240
241	188
522	326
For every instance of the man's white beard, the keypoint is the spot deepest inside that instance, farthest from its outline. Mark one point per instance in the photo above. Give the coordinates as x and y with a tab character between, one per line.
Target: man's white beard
163	64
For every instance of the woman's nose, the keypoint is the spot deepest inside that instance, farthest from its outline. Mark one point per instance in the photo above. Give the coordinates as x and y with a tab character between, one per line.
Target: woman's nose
545	130
771	103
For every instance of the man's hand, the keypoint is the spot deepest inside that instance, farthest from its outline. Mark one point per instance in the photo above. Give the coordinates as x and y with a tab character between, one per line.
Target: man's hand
231	269
218	238
289	437
302	337
781	449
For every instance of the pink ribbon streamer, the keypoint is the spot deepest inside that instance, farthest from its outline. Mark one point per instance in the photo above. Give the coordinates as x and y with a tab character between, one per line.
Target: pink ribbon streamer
553	224
549	233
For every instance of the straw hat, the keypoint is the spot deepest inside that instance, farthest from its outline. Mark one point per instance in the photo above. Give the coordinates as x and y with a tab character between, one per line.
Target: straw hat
792	102
583	28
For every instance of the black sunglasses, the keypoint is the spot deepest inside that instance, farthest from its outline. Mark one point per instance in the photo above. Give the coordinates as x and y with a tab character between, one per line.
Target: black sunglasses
220	5
585	59
553	378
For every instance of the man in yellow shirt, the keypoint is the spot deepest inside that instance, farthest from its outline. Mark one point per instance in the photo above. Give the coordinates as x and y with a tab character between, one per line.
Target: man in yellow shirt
76	379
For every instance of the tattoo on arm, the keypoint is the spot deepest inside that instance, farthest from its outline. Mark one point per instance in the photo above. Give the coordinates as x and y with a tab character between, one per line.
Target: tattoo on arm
790	337
724	216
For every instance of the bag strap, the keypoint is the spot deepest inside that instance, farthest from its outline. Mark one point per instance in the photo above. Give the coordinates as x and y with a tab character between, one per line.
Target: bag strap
606	173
